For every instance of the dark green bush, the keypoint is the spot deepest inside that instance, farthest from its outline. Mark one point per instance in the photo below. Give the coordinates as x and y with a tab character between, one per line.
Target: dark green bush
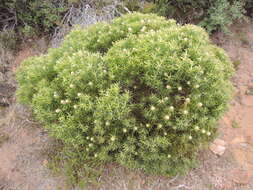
212	14
222	14
141	91
38	16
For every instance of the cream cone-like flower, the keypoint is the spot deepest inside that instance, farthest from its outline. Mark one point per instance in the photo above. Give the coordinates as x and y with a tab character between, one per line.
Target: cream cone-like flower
166	117
57	110
179	88
208	133
185	112
152	108
113	138
107	123
79	94
203	131
159	126
168	86
124	130
71	85
143	28
196	128
171	108
187	100
199	104
169	156
190	137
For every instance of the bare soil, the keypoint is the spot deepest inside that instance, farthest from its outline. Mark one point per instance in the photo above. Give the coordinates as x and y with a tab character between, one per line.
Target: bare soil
23	166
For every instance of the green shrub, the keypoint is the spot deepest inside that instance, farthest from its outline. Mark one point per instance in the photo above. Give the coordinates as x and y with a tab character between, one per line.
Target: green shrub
32	15
222	15
211	14
141	91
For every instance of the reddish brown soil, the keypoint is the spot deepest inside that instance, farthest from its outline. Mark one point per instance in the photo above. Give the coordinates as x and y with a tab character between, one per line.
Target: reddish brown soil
23	164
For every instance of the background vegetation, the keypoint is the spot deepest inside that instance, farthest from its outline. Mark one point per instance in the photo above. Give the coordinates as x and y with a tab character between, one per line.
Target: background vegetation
29	18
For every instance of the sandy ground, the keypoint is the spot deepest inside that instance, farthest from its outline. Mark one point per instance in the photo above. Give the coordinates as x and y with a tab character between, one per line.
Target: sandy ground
23	164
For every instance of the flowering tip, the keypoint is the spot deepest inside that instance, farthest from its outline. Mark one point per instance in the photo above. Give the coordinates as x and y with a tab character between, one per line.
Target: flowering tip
171	108
168	86
166	117
199	104
57	110
196	128
152	108
185	112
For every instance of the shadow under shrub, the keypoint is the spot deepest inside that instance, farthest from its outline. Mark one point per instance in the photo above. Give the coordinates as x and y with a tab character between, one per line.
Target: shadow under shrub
141	91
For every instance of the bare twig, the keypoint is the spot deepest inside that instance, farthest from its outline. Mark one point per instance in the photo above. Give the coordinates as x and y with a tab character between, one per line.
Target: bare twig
181	186
85	15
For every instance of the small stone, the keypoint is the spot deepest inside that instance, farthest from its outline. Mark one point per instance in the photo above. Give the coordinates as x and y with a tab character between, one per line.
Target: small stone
220	142
217	149
45	162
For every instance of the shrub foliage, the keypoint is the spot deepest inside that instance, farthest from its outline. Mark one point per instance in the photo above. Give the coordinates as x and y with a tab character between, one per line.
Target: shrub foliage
141	91
212	14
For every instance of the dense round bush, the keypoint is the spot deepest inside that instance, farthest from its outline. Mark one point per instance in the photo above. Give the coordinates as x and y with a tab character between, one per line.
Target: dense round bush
141	91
